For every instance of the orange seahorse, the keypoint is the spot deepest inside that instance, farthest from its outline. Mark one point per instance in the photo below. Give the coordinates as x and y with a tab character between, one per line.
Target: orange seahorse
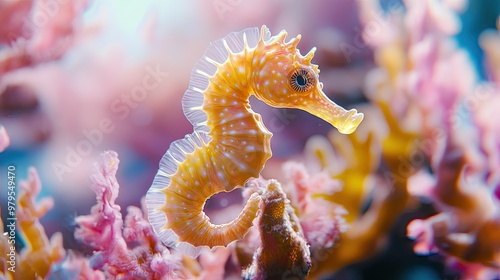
230	144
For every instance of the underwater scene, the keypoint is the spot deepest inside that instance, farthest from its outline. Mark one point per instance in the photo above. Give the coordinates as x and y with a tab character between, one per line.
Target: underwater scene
236	139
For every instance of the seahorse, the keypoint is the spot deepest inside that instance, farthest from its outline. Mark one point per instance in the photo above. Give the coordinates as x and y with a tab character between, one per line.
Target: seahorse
230	144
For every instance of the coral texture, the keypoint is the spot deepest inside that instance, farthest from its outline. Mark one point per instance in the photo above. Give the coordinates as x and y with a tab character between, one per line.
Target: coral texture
283	250
106	233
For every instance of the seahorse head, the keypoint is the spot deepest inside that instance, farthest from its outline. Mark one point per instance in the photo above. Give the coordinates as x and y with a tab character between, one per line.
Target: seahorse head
284	78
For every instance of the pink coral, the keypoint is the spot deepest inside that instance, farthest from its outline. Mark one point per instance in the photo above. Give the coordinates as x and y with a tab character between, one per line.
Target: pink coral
74	266
431	17
36	31
488	100
431	57
303	186
134	253
422	231
323	223
321	220
213	264
468	226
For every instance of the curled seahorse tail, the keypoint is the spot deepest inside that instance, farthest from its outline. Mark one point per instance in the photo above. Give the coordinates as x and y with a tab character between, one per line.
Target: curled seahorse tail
199	231
188	176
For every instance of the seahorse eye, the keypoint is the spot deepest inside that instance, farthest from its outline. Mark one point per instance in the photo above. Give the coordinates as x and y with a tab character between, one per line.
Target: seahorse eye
302	80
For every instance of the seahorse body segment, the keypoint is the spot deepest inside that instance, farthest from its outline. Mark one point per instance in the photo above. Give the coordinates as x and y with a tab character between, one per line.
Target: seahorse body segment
230	144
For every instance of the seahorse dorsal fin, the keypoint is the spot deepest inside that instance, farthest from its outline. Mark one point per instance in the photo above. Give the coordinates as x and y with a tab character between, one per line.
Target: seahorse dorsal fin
155	198
216	53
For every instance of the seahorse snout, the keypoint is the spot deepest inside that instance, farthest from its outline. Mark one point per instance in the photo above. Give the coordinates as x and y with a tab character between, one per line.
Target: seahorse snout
351	122
319	105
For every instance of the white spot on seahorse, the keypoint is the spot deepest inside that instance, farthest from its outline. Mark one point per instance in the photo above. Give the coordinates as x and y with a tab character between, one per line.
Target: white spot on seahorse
250	148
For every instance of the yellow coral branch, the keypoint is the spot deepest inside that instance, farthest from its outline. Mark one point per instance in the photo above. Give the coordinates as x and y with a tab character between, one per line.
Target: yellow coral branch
39	253
367	233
